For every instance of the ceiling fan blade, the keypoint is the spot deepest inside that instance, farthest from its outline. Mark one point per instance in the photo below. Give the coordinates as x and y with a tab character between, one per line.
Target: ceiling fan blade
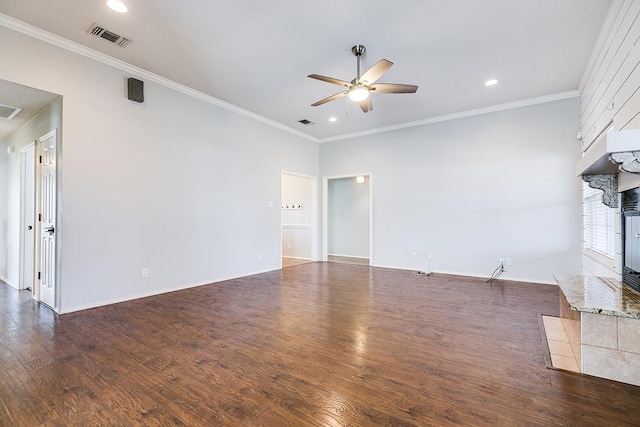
392	88
366	105
330	80
330	98
376	71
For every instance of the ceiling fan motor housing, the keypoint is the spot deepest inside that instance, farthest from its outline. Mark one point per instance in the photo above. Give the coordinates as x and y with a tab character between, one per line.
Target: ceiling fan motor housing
358	50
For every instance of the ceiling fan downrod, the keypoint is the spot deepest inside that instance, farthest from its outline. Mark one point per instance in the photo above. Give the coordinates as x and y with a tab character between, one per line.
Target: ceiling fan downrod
358	50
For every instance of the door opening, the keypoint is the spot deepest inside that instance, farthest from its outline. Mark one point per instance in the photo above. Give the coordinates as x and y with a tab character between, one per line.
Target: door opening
299	233
347	219
27	217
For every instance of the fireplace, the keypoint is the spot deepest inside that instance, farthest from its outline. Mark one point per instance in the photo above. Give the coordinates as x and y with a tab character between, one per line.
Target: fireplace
631	238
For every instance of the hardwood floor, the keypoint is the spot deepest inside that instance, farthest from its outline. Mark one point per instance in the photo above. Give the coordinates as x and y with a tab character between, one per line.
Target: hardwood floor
317	344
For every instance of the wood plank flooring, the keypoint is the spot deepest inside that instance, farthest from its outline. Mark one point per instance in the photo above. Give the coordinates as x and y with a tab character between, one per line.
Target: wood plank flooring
317	344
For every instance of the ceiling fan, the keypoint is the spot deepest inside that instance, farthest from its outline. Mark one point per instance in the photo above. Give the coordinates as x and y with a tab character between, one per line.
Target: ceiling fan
363	85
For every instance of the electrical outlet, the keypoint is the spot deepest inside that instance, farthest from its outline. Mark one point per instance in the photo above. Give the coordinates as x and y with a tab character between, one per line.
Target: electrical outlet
289	245
145	273
414	254
429	257
501	261
508	261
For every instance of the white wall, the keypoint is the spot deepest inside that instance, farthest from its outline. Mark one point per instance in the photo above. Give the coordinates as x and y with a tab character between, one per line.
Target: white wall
296	223
472	190
176	185
348	217
48	119
4	220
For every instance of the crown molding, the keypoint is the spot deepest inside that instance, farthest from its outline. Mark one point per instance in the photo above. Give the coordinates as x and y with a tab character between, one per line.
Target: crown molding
40	34
460	115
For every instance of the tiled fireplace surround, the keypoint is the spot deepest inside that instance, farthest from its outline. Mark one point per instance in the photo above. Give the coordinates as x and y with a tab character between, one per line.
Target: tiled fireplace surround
605	329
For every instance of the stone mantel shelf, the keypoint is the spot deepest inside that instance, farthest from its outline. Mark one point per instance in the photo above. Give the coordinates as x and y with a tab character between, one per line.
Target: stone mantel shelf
599	295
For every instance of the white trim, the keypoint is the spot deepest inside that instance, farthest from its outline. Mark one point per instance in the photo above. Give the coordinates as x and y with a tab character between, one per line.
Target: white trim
22	273
74	47
5	280
296	257
349	256
601	259
476	275
158	292
462	114
40	34
296	226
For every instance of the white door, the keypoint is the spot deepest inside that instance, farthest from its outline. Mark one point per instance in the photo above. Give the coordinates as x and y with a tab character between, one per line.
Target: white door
27	233
48	219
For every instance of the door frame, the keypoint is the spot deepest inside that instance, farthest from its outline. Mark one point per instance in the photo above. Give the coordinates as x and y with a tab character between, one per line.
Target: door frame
314	213
58	227
24	193
325	213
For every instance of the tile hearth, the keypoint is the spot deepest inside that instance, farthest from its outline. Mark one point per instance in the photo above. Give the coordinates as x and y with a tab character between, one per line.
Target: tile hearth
562	354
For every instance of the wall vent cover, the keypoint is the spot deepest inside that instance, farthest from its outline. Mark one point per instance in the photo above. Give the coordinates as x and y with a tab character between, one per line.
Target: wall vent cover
306	122
8	112
110	36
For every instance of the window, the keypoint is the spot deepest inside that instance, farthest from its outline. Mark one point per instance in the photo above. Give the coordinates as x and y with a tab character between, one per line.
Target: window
598	223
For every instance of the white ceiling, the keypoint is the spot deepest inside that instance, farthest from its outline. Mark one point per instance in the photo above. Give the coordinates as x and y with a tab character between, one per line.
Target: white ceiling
257	54
30	100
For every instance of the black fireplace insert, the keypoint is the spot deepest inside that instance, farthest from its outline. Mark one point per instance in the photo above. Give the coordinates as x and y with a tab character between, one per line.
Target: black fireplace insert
631	235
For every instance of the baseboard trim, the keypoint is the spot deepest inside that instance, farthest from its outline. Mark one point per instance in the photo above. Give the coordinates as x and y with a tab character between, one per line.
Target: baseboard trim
349	256
5	280
475	275
67	310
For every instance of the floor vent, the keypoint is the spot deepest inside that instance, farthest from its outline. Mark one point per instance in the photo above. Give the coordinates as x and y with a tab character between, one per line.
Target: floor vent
306	122
8	112
110	36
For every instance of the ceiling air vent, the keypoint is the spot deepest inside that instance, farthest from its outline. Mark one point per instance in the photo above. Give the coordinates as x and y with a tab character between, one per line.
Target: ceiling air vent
306	122
114	38
8	112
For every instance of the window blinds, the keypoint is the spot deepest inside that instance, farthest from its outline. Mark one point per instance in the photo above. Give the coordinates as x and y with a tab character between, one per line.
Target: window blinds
598	223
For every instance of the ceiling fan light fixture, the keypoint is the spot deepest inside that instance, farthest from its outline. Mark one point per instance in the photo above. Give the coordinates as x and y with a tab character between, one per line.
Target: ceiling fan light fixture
358	94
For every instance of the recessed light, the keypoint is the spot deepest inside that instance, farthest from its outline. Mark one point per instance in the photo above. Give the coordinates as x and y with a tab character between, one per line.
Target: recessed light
491	82
117	5
333	119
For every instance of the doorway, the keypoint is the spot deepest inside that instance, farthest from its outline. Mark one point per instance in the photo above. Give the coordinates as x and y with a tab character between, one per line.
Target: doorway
347	219
27	217
299	233
31	135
